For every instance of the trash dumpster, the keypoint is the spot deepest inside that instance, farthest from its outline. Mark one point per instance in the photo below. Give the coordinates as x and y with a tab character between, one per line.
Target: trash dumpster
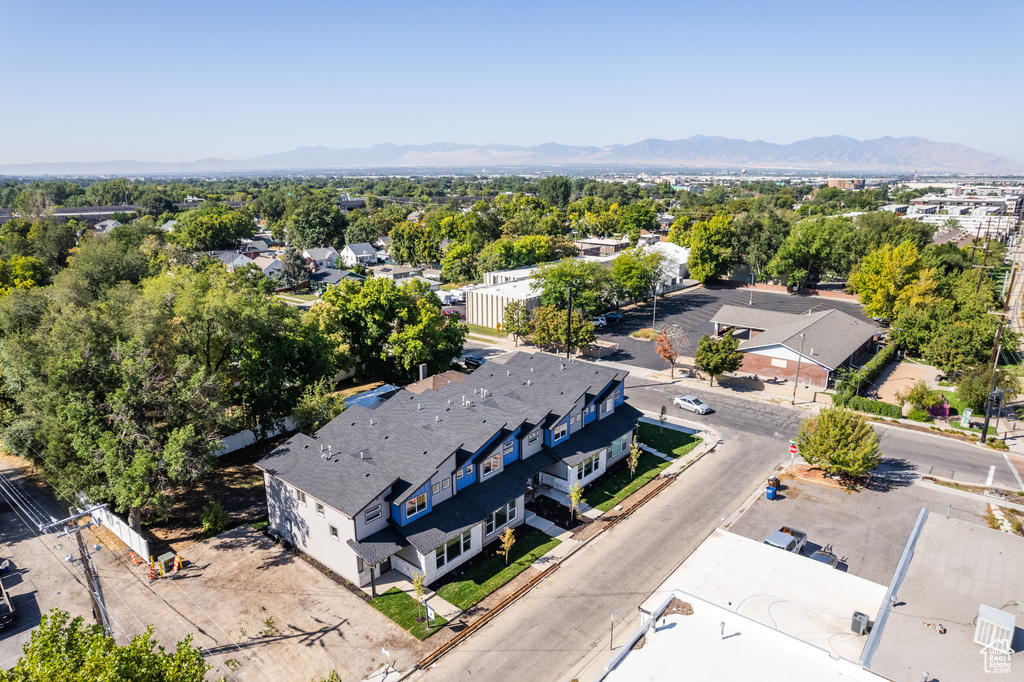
770	492
773	481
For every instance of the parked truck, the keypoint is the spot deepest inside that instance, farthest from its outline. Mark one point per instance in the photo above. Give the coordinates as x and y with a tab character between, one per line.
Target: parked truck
7	614
789	539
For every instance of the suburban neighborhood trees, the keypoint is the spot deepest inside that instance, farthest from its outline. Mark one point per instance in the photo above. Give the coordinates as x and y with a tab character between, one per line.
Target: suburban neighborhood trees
637	272
549	328
633	458
575	499
507	539
711	247
555	190
663	347
215	226
317	222
517	320
718	356
591	285
839	441
293	268
64	648
890	277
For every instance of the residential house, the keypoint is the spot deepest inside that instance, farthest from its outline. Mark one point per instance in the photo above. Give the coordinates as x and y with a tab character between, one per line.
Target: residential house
325	277
267	264
781	344
424	481
231	258
106	225
396	272
324	257
353	254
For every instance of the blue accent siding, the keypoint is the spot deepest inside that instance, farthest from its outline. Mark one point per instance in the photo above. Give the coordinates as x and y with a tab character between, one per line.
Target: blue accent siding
398	510
467	478
589	416
485	447
548	433
619	395
514	455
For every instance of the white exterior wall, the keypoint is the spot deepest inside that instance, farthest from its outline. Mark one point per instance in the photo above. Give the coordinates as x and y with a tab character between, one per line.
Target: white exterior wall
555	482
309	532
475	547
602	465
525	449
487	308
364	529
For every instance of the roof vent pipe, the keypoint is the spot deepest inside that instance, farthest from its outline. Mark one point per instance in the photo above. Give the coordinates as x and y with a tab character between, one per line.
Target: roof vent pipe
437	418
330	451
508	372
563	368
529	382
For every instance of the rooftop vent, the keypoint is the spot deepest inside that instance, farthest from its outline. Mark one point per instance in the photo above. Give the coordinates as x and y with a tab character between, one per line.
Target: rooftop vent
529	382
508	372
563	368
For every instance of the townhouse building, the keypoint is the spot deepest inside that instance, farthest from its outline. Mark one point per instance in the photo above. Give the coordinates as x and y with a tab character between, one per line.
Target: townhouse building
424	481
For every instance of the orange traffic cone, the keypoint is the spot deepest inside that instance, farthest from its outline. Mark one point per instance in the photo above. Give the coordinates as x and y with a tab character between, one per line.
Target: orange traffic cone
176	566
152	570
135	558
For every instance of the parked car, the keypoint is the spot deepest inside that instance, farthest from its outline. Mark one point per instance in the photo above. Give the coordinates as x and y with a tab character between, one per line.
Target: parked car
613	316
455	313
600	321
473	361
788	539
825	556
691	403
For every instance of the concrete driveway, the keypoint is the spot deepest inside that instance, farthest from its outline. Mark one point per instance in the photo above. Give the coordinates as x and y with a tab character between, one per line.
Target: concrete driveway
688	314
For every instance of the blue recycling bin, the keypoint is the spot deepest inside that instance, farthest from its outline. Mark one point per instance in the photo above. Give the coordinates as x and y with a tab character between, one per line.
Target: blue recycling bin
770	492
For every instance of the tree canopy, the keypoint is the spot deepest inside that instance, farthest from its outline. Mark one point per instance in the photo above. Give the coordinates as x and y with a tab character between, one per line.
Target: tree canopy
711	248
718	356
839	441
213	227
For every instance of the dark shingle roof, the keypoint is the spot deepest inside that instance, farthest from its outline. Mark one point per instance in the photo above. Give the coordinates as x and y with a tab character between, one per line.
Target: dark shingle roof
377	547
596	435
751	318
830	337
474	503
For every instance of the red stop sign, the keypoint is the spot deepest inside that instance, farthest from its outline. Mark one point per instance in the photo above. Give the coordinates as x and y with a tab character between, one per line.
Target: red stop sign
792	449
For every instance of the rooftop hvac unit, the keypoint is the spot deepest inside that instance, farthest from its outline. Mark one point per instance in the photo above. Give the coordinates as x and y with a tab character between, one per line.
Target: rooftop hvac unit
995	629
859	623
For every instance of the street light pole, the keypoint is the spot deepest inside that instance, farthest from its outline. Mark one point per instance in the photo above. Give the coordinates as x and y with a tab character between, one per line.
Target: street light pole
654	316
796	381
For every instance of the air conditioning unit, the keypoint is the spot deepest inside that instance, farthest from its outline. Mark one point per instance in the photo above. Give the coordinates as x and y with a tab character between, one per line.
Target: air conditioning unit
859	623
995	629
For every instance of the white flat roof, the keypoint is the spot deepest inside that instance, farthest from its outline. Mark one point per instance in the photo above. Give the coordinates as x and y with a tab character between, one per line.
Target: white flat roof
696	647
805	599
520	288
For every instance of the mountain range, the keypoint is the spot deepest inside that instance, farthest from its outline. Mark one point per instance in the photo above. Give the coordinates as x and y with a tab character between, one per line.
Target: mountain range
829	154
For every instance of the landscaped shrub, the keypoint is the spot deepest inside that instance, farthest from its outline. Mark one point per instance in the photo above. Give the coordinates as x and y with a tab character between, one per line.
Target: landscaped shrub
846	384
215	519
918	415
874	407
996	444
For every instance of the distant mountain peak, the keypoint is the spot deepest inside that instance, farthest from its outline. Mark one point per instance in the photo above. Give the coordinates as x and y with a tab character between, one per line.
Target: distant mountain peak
834	153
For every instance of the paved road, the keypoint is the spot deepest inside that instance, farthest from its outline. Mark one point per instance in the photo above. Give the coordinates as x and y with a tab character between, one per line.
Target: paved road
567	616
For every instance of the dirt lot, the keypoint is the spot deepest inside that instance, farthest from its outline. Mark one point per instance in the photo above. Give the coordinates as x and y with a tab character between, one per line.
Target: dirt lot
867	530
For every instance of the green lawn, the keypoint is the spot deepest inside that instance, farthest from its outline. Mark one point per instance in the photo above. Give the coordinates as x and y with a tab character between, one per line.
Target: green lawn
617	485
403	609
669	442
487	331
487	572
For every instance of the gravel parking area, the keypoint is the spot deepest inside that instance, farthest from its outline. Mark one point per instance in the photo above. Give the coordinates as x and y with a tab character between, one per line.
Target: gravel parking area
692	310
867	530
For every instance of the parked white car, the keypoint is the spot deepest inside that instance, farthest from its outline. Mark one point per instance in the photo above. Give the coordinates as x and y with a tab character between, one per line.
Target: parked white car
691	403
600	321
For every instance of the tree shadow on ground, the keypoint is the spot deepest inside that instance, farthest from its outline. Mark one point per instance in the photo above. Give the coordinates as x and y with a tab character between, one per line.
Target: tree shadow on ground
892	473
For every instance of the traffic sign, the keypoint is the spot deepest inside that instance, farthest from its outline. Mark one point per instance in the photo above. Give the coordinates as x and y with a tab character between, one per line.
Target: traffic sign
792	449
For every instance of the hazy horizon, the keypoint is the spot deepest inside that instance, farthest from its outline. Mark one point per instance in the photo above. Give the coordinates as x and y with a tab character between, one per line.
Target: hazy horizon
189	81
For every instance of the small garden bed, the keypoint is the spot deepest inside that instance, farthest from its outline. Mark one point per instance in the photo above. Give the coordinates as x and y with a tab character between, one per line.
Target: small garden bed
813	474
617	484
668	442
646	334
407	613
557	513
486	572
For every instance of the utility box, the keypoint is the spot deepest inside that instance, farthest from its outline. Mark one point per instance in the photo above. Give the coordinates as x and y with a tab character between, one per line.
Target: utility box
166	562
859	623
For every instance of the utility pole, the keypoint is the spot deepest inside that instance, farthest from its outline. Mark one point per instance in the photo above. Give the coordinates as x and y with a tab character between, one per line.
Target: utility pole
568	324
796	381
70	525
984	260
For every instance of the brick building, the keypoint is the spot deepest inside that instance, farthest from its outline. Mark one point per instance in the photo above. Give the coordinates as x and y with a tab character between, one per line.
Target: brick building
773	343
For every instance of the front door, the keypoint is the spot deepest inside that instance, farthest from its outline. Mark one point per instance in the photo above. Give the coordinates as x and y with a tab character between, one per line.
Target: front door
385	566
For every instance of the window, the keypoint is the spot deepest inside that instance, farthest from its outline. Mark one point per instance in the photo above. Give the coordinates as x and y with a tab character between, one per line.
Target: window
301	496
507	447
373	513
415	505
320	508
492	464
452	549
444	484
500	517
458	474
469	469
560	432
591	409
532	438
588	466
437	488
608	406
333	532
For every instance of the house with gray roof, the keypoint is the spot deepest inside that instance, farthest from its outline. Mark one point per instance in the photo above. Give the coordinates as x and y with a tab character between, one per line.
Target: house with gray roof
423	481
325	277
779	345
324	257
354	254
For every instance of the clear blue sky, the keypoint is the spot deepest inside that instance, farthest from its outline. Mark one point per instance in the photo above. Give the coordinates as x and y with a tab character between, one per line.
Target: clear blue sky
179	81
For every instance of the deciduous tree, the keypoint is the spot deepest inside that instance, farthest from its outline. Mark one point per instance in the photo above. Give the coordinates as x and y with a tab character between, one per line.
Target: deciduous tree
663	347
711	248
317	222
718	356
212	227
508	538
839	441
516	320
